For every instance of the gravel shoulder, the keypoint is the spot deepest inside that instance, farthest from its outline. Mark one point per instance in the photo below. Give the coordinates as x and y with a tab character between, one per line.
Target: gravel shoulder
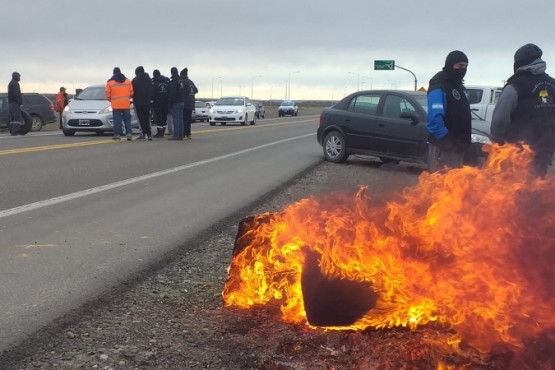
171	317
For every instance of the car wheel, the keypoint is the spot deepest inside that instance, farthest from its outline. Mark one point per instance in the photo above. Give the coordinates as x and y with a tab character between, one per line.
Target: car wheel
68	132
253	122
296	114
37	123
28	123
212	123
334	147
263	115
246	120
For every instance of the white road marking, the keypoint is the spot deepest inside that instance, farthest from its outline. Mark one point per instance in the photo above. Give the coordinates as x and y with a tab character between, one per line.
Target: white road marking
98	189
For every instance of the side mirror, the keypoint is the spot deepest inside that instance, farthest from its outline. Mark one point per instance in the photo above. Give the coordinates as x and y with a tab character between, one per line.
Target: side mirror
411	116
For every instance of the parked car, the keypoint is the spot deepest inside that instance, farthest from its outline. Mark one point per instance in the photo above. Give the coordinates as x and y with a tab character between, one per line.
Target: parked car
260	110
39	107
388	124
5	117
201	112
91	112
288	108
232	109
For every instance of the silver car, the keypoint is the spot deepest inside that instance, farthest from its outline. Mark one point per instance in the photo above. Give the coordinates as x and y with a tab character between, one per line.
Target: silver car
91	112
200	113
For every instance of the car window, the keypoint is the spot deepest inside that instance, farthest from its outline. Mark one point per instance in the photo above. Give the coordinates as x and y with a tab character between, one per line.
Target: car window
3	104
34	99
395	105
475	95
366	104
200	104
230	101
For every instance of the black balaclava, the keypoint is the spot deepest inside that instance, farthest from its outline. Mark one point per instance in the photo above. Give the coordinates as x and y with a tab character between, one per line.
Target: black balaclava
174	71
526	54
453	58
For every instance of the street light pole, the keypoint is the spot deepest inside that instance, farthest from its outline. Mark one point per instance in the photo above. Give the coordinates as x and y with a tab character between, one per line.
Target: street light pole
362	81
289	85
358	79
252	85
213	78
221	89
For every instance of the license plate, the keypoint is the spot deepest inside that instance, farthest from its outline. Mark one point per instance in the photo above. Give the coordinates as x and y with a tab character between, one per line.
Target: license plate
84	122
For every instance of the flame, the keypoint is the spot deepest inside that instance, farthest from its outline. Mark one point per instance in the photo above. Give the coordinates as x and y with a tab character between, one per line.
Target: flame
472	249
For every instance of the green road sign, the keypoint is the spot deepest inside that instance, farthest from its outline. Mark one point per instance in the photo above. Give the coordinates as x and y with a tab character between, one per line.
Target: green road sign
384	65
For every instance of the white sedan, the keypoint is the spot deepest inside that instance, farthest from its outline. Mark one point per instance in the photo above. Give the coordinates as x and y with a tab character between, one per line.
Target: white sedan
232	109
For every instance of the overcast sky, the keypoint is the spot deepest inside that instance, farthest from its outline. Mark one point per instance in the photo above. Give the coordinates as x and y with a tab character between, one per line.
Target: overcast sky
233	47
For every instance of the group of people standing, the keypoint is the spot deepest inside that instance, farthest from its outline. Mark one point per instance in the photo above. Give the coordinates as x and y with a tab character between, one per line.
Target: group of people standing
524	113
172	100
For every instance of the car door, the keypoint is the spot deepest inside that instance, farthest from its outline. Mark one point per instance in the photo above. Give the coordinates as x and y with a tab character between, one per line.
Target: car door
4	113
401	127
251	109
360	122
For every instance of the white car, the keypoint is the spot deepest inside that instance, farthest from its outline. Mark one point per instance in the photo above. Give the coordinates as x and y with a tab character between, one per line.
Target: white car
91	112
201	112
232	109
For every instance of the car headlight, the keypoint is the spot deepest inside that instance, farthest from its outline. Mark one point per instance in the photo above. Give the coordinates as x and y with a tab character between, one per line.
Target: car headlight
66	108
240	110
108	109
476	138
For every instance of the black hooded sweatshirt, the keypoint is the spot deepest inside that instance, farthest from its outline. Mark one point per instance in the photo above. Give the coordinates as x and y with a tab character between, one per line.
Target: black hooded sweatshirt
142	88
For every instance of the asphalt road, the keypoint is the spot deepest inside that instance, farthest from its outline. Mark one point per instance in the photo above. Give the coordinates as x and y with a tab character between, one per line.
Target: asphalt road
80	214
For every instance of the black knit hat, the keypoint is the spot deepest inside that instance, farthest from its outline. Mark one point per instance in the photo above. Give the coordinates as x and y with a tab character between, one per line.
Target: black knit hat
454	57
527	54
117	70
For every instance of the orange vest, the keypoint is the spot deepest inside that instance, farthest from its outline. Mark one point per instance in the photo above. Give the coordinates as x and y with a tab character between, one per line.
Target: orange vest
119	94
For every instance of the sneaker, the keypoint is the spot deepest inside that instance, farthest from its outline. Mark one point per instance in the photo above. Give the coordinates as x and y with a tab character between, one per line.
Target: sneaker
150	138
189	137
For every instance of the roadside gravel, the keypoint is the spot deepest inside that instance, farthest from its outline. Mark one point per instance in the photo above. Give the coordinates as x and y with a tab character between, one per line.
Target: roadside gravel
171	317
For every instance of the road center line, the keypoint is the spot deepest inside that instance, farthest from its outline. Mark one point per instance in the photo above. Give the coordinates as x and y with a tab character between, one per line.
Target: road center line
98	189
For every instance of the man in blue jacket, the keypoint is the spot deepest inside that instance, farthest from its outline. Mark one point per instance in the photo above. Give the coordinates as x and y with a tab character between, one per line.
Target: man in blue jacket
449	119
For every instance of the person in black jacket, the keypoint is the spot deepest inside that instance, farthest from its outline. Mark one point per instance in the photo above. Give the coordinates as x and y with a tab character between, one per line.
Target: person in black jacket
449	119
189	106
15	99
142	95
525	110
177	102
160	101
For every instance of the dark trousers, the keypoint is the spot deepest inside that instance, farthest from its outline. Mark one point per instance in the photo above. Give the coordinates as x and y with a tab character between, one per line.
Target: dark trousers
16	118
143	114
161	114
187	113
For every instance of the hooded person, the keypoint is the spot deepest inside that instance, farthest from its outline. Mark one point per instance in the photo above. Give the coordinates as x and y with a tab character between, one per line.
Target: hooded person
119	92
160	101
142	95
189	104
15	100
525	110
449	118
176	104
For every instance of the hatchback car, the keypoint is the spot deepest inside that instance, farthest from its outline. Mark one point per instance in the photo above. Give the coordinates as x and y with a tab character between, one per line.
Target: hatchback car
201	112
288	108
91	112
232	109
260	110
388	124
39	107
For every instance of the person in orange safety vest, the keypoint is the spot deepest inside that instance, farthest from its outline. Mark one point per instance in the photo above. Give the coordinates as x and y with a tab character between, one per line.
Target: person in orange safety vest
119	92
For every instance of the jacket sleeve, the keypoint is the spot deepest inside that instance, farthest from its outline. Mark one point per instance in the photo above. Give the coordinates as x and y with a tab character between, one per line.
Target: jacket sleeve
501	118
437	105
108	92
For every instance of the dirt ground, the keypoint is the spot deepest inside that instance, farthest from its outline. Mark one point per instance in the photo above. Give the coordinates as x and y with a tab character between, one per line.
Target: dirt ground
172	316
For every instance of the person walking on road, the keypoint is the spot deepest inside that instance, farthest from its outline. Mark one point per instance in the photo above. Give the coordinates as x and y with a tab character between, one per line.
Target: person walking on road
525	110
177	102
61	102
142	95
119	92
15	100
160	102
449	119
189	106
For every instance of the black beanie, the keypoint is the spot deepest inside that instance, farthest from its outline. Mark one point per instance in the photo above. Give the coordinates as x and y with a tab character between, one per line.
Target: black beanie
117	71
139	70
156	72
527	54
454	57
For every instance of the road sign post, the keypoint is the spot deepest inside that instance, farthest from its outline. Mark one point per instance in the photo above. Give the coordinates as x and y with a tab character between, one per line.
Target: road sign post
389	65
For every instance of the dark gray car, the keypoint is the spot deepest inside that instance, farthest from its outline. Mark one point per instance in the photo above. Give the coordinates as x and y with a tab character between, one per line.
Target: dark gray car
39	107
